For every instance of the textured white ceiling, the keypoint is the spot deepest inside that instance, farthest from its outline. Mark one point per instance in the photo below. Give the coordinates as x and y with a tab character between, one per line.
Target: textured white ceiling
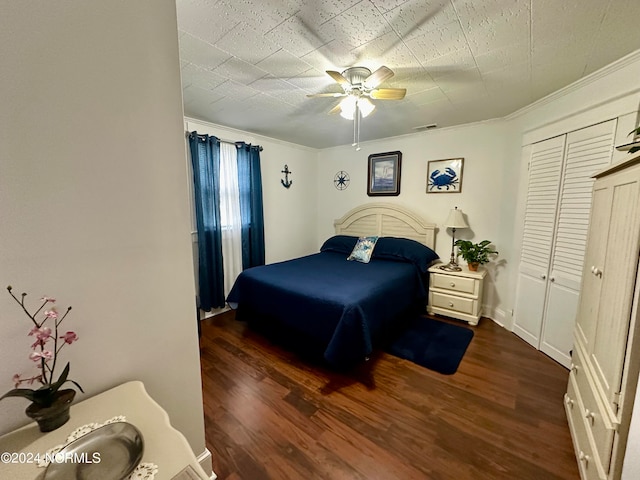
249	64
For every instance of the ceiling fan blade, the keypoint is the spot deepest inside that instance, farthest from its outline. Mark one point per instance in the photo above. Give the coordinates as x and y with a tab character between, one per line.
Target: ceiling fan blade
315	95
389	93
335	109
377	77
337	76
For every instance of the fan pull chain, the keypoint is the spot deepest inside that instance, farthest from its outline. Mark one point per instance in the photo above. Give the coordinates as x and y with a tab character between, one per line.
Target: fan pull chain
356	128
355	121
358	116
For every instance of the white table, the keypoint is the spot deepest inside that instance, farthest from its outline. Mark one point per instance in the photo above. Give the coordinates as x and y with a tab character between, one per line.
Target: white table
163	445
456	294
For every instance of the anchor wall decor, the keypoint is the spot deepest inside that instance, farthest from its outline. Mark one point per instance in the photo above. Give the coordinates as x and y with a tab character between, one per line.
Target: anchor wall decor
286	183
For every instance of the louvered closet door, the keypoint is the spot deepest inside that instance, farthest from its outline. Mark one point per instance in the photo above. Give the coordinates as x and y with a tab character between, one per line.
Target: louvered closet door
545	168
586	152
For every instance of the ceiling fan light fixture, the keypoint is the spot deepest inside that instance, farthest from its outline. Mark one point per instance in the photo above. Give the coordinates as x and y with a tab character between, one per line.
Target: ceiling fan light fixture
348	107
365	106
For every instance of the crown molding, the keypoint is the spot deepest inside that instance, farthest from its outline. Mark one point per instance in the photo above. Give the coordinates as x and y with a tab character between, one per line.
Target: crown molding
578	84
246	133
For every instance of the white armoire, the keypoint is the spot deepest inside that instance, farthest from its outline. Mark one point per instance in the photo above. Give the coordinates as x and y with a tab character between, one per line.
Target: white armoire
556	220
606	355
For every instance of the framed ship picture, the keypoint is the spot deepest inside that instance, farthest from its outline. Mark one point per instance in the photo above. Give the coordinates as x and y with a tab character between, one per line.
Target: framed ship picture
383	178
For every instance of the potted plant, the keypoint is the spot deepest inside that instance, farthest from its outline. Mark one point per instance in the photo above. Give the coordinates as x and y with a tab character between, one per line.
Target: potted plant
475	254
49	404
635	146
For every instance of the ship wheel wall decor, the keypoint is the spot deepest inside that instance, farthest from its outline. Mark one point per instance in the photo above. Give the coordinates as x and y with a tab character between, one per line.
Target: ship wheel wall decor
341	180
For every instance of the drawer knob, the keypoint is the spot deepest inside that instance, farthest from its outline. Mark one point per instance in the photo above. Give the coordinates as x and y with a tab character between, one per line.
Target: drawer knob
590	416
451	304
452	284
584	458
568	401
575	368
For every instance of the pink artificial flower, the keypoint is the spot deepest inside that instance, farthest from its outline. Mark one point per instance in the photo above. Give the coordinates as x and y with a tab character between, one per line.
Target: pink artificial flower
48	299
16	380
37	356
51	313
69	337
42	334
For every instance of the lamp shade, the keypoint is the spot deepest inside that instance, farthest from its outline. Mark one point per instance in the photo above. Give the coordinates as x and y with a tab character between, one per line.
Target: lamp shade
456	219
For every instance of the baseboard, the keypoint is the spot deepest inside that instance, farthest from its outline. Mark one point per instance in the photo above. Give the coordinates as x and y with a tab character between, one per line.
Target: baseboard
204	459
498	316
212	313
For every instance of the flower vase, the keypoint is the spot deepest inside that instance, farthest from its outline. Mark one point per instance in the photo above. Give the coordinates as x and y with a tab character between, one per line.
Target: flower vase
54	416
473	266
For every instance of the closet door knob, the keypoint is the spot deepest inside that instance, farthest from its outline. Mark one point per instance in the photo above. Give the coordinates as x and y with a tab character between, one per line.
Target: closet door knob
553	279
544	277
568	401
590	416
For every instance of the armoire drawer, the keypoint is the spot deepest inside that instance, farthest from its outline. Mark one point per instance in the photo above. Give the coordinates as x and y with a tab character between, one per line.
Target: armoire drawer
588	461
455	284
595	416
458	304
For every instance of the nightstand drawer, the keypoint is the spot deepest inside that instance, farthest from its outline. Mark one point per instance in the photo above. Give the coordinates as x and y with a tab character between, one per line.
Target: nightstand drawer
455	284
463	305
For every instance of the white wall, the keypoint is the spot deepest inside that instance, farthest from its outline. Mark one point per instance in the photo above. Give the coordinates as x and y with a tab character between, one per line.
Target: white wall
289	213
481	145
93	198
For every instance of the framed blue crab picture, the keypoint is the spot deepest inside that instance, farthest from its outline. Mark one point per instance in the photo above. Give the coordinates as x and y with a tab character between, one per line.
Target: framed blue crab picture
445	176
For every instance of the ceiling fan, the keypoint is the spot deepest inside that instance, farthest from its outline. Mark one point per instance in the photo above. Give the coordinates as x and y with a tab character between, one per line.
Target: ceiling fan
359	84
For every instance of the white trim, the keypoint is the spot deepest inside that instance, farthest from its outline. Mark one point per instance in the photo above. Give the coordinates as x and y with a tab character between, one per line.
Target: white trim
213	312
205	461
600	112
496	315
386	140
578	84
244	135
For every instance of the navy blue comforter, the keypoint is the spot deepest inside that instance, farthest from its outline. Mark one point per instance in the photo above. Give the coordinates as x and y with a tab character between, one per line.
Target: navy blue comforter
346	306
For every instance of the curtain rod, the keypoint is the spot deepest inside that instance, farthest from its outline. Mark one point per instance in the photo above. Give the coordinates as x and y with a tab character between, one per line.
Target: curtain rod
222	140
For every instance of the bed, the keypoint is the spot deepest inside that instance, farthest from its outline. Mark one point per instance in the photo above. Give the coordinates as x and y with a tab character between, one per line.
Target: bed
338	309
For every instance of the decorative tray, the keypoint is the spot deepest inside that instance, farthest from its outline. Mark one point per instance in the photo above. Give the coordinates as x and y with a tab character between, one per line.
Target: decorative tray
110	452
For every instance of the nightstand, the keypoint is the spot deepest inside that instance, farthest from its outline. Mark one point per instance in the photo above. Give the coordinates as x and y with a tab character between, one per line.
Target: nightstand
456	294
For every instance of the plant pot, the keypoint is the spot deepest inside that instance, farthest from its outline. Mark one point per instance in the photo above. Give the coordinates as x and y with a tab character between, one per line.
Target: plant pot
473	266
54	416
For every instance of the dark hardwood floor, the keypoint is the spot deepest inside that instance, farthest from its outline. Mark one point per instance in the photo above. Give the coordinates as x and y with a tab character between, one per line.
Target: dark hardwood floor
269	415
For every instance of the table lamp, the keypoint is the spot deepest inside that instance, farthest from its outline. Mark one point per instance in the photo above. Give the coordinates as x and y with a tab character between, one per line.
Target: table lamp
454	220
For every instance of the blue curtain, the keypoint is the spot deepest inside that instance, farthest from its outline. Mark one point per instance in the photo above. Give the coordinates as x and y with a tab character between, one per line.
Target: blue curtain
205	157
251	212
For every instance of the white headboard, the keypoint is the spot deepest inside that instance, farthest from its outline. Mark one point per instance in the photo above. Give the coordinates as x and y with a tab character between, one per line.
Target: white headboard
386	220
